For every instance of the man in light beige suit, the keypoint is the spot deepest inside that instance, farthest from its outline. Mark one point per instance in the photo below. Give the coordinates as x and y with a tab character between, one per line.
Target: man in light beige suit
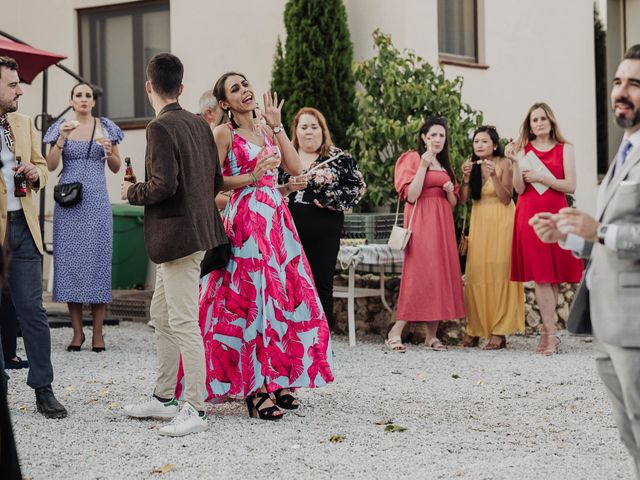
609	297
20	234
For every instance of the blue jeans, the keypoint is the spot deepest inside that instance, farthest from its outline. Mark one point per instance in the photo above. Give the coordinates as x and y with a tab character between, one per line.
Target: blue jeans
25	284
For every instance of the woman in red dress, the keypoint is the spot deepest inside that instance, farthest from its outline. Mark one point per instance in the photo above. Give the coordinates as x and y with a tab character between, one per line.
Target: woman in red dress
431	283
546	264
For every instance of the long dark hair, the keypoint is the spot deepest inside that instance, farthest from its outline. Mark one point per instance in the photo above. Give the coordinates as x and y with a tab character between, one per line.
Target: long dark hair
475	181
219	93
443	156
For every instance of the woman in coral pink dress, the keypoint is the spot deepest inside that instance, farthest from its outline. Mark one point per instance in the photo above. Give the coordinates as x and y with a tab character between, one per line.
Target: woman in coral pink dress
431	283
544	263
264	329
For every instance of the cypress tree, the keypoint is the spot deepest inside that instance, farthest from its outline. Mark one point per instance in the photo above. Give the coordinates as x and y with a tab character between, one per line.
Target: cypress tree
315	68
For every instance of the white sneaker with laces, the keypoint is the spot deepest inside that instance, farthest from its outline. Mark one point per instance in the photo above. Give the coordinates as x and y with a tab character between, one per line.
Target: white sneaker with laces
186	422
153	408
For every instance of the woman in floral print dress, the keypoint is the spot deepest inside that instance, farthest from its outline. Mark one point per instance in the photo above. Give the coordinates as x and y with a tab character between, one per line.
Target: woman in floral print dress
262	322
335	185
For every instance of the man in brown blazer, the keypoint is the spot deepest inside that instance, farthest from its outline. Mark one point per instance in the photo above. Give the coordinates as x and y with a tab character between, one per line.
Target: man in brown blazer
180	223
20	234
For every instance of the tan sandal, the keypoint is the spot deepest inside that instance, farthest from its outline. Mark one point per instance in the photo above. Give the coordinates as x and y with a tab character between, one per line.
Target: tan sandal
552	347
542	343
395	344
436	344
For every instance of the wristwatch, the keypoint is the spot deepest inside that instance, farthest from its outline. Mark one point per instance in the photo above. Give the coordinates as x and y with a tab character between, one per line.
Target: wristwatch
602	232
277	129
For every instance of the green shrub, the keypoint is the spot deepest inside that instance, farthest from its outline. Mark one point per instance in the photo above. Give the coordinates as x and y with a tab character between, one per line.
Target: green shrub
315	67
397	92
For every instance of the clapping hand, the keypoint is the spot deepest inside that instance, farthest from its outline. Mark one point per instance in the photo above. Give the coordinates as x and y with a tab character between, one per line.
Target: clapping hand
488	167
448	187
579	223
272	113
546	227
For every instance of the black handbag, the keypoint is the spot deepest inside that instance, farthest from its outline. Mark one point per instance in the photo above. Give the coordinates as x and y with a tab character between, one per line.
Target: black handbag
70	194
67	194
215	258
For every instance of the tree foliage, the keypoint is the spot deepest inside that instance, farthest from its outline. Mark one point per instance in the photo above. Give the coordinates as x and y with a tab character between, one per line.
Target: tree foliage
399	91
315	67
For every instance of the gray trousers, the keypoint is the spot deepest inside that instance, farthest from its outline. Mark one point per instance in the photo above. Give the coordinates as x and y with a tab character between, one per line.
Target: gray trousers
619	369
25	283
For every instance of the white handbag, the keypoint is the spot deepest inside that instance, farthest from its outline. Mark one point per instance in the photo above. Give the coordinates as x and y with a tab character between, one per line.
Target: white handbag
400	236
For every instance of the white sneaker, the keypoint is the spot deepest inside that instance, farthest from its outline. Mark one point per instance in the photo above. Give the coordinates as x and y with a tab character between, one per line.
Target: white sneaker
153	408
188	421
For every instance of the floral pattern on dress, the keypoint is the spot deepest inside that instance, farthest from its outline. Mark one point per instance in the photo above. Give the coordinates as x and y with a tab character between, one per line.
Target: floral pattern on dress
261	319
338	185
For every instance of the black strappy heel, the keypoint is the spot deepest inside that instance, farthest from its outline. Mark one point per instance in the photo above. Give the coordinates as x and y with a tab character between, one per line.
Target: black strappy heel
267	413
285	400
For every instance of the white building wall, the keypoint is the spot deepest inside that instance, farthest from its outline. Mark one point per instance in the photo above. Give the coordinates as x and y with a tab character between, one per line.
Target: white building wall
535	50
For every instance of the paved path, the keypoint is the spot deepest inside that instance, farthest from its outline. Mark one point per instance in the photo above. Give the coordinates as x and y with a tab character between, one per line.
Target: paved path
468	414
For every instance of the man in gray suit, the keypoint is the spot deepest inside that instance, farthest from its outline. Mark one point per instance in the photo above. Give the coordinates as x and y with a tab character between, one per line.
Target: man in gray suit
609	296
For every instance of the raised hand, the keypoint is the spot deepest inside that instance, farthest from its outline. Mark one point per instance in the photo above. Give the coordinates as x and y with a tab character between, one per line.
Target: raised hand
272	112
510	151
427	158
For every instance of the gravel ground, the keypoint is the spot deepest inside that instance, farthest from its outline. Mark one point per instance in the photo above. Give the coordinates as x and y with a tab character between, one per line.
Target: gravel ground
468	414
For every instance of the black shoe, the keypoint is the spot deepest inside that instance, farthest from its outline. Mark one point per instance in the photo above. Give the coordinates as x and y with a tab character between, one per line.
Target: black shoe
98	349
76	348
16	363
266	413
286	400
47	403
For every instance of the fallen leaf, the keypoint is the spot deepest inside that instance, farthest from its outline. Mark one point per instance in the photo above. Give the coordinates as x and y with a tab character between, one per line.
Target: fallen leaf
165	468
421	376
394	428
22	408
104	393
480	382
455	375
114	405
337	438
70	389
384	422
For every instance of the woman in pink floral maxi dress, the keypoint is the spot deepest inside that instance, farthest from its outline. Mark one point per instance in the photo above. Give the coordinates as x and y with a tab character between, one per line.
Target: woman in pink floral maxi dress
262	322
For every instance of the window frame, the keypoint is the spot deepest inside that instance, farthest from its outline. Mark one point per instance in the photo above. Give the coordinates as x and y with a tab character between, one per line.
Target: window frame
478	44
126	123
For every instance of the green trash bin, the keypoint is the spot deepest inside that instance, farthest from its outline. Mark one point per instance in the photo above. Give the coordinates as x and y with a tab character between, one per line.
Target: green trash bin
130	260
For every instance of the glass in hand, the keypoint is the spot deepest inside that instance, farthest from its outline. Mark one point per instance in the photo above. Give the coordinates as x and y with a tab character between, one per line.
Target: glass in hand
105	143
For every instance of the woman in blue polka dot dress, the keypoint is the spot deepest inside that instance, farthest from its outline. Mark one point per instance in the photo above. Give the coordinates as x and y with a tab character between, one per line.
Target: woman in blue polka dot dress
83	233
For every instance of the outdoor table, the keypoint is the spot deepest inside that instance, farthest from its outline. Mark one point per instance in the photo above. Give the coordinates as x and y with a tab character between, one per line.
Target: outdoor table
372	258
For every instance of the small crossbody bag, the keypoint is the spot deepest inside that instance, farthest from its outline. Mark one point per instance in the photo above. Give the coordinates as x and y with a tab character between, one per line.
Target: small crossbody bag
463	246
399	235
70	194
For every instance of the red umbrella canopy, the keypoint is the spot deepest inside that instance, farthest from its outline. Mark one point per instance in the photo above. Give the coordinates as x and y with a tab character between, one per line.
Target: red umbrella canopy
31	61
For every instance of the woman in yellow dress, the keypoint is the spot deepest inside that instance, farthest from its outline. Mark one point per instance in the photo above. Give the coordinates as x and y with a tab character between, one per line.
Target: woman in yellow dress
495	305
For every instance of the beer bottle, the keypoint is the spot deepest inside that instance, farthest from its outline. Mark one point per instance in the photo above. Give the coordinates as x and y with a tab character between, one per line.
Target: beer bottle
20	181
129	176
